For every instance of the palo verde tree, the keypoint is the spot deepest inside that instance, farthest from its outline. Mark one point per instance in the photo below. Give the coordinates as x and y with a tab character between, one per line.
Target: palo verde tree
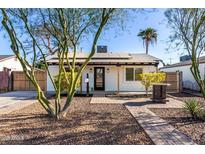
63	29
188	27
37	33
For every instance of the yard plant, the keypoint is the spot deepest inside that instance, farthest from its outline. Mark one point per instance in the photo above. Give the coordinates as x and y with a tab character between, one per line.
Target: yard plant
64	83
147	79
194	108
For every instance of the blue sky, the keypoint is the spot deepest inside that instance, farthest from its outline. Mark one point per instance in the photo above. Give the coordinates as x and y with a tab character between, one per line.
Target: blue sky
127	41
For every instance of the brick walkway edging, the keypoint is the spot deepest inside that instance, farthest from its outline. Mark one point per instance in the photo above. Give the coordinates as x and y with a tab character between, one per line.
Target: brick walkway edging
160	132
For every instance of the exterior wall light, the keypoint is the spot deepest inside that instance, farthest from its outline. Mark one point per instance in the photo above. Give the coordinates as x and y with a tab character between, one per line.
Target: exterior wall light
108	70
91	70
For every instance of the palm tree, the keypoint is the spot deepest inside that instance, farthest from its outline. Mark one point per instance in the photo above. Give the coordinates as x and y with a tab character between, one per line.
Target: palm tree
149	36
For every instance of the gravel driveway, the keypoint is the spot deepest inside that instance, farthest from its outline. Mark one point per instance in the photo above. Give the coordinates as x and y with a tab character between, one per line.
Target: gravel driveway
12	101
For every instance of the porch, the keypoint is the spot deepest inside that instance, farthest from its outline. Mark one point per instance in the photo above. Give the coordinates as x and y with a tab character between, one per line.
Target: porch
114	78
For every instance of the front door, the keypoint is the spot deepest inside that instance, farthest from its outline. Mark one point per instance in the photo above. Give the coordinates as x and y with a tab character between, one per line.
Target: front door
99	78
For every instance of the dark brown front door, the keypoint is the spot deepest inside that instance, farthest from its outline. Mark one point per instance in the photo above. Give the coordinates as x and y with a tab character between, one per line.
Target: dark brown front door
99	78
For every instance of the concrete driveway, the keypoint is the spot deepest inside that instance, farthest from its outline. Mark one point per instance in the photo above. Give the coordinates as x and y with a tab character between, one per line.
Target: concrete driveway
16	100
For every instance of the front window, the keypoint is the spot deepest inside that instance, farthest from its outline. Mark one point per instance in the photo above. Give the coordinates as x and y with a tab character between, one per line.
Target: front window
129	74
133	74
138	71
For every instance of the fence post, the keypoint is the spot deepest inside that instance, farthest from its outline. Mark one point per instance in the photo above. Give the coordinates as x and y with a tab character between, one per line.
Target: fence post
9	79
180	81
178	87
5	79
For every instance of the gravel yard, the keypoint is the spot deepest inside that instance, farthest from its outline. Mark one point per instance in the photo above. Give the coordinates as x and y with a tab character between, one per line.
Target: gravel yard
86	124
186	96
183	122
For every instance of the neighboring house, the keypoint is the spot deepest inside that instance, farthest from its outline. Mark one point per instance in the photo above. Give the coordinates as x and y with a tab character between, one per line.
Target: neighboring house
187	77
110	72
10	62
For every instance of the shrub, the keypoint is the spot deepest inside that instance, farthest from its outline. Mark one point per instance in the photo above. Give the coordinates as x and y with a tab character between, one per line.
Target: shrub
194	109
64	85
149	78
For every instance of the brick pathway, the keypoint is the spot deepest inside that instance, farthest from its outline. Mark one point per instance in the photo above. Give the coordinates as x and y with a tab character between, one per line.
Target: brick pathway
160	131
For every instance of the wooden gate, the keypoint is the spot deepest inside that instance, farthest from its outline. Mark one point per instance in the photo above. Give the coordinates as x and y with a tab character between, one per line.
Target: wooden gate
175	81
21	83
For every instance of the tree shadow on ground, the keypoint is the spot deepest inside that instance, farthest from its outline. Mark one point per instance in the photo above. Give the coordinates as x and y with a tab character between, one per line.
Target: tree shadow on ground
142	103
90	125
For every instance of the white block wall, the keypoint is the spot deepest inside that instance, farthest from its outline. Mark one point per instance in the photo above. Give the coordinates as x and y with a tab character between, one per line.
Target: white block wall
11	63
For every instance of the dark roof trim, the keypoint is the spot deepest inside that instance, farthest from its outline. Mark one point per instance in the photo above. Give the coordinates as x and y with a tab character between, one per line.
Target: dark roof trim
117	64
82	58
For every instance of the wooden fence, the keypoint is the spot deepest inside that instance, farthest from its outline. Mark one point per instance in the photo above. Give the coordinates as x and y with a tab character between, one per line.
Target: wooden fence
21	83
175	81
4	80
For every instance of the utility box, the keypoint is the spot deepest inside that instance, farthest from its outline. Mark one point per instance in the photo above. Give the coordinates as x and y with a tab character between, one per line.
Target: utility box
159	92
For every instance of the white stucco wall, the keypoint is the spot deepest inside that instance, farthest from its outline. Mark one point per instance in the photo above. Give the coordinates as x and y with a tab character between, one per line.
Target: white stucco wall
11	63
188	80
133	85
110	78
53	71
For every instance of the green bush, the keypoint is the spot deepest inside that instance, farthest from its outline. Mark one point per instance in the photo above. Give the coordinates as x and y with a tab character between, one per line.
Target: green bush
147	79
194	109
64	85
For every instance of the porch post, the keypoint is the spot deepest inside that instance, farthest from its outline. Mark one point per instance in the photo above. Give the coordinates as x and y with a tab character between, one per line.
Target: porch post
81	82
87	91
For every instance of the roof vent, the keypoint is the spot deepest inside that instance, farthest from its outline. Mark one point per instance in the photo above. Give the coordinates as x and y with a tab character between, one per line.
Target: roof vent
101	49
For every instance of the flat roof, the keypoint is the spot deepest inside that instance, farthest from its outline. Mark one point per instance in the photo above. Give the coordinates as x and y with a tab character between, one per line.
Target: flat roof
111	58
184	63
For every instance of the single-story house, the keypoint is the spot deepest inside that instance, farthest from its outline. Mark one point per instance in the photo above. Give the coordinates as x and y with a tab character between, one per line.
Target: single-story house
10	62
188	80
109	71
